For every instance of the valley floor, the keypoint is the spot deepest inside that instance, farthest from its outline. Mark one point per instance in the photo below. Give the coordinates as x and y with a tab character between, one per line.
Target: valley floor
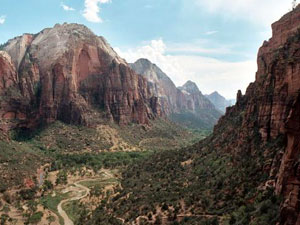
56	206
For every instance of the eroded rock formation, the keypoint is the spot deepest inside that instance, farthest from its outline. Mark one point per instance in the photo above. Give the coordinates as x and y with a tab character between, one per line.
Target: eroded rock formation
68	73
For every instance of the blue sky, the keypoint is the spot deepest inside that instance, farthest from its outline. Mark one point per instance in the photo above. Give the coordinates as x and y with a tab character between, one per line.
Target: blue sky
212	42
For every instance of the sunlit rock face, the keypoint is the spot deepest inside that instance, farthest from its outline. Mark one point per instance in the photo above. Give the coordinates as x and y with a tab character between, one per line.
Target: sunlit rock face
67	73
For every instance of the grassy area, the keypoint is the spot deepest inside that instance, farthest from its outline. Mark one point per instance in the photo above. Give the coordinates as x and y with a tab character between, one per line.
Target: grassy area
75	146
51	202
161	135
73	210
204	120
60	137
18	161
97	161
98	183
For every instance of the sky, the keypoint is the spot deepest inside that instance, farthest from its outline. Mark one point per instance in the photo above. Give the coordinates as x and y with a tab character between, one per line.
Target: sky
211	42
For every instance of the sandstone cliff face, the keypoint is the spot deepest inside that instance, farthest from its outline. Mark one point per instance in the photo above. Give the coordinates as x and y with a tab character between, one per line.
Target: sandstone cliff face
269	111
67	73
159	83
12	105
180	104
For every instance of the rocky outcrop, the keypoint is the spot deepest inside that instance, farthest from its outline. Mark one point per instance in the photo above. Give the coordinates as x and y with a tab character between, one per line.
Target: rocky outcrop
270	111
68	73
185	105
219	101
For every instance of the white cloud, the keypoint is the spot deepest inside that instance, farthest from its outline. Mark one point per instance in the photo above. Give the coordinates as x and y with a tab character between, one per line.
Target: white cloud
67	8
211	32
210	74
92	9
198	47
262	12
2	19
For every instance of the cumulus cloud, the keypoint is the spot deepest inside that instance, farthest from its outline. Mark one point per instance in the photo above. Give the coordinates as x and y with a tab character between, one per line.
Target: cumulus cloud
2	19
210	74
263	12
92	9
67	8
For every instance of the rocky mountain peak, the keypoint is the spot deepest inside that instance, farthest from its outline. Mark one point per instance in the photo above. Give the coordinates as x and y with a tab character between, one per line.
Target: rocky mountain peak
150	70
51	44
219	101
145	62
190	87
215	93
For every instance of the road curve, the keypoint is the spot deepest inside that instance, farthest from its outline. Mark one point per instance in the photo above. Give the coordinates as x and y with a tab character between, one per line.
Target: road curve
62	213
79	195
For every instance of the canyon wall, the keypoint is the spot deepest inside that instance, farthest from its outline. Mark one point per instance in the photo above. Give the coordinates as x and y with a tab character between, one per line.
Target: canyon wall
68	73
268	115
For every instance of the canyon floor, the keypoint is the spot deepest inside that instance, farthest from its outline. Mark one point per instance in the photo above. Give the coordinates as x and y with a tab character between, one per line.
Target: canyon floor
61	173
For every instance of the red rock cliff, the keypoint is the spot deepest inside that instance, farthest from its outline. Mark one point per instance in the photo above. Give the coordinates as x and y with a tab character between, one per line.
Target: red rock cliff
270	110
68	73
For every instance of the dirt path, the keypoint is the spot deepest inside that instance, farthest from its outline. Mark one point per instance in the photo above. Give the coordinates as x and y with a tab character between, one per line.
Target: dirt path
82	192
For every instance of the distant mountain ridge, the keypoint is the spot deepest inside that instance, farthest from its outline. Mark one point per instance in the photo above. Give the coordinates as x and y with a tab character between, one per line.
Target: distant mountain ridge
219	101
185	105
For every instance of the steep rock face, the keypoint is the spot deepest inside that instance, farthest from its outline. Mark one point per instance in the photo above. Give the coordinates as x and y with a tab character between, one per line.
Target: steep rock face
219	101
8	75
269	112
12	105
182	104
159	83
67	72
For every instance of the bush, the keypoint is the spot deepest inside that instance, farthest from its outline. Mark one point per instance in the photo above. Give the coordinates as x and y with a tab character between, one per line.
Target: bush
27	194
35	218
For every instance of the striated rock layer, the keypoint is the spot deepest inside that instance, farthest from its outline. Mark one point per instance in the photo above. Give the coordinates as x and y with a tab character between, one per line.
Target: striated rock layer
68	73
183	104
270	112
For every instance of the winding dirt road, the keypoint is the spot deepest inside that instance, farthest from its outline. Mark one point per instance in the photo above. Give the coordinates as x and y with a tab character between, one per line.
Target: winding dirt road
81	193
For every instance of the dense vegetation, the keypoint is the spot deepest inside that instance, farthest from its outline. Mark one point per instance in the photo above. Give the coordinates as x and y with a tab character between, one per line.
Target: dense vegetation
70	146
193	121
200	184
211	186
